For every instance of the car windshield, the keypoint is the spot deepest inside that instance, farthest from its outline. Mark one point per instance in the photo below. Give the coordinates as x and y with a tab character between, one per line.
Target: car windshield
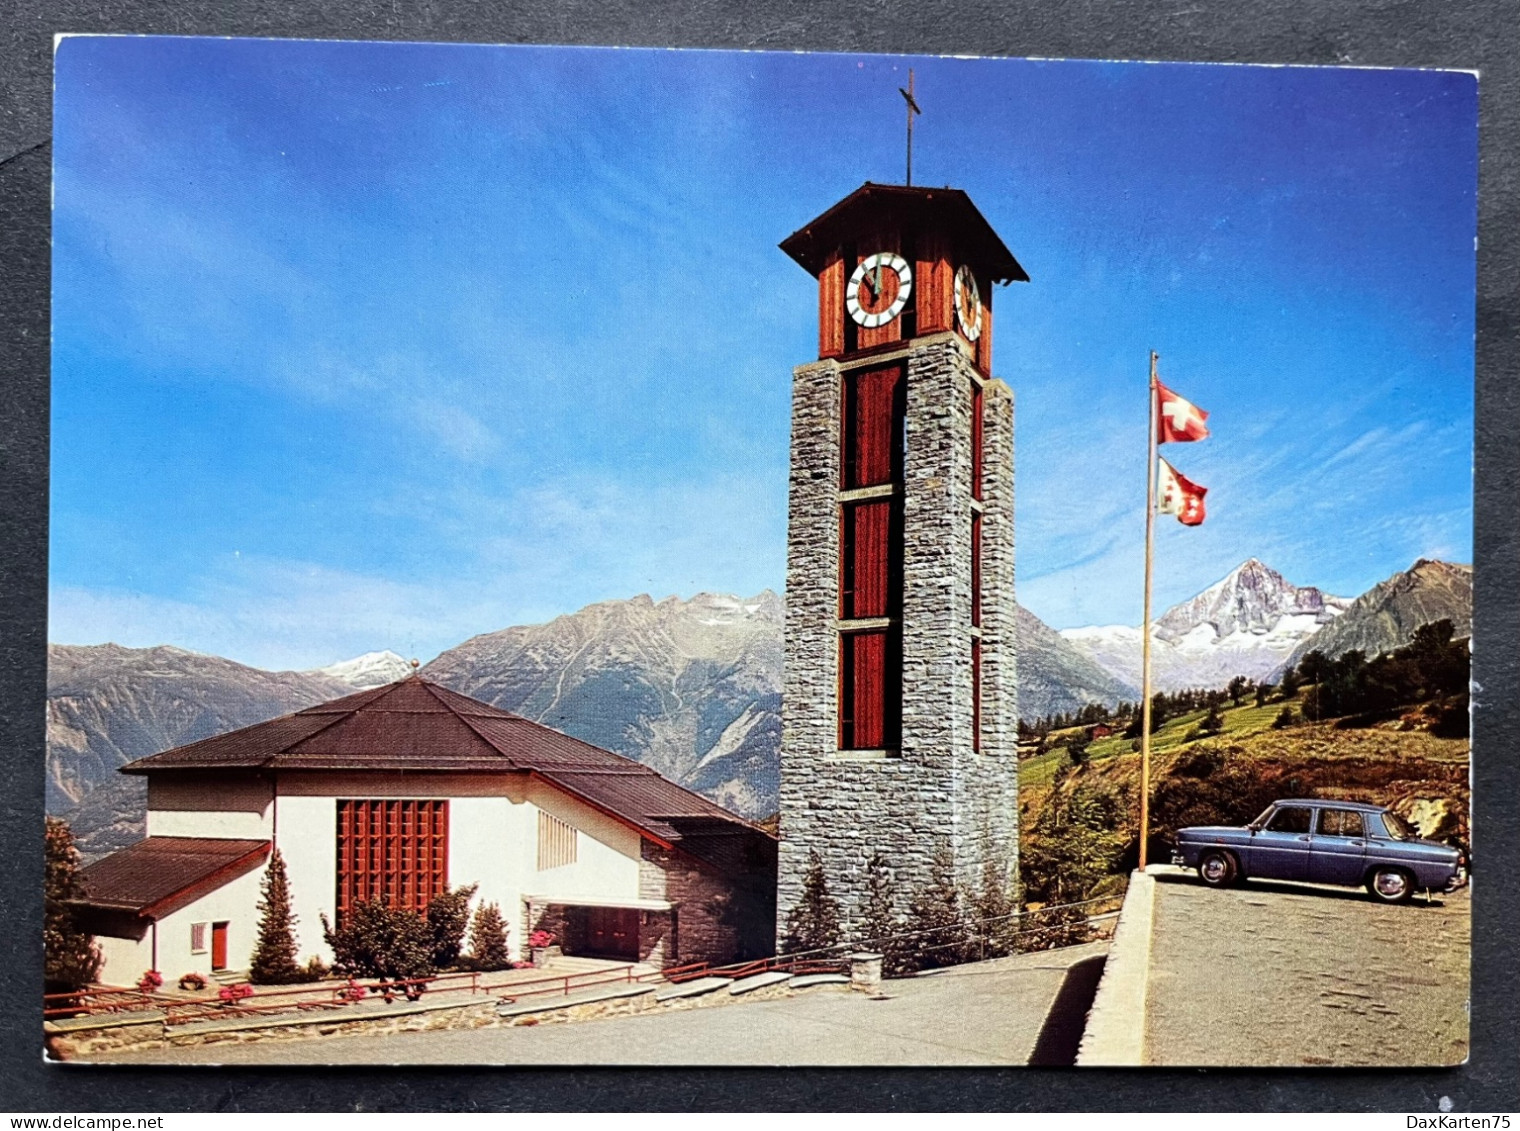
1397	828
1262	820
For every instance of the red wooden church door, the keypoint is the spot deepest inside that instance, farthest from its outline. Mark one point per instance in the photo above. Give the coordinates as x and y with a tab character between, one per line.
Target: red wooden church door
218	946
613	932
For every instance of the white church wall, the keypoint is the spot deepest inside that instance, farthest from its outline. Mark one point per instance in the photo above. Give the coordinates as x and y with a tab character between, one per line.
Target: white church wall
210	807
234	903
485	838
124	960
493	842
307	838
607	852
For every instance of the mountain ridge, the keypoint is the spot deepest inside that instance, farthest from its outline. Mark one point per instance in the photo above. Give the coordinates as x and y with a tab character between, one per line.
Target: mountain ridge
1244	624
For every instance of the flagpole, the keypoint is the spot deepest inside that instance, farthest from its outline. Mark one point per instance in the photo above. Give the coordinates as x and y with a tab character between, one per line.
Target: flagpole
1145	638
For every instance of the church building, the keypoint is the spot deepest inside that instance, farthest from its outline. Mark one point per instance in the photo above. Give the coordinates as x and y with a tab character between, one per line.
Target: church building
899	703
402	792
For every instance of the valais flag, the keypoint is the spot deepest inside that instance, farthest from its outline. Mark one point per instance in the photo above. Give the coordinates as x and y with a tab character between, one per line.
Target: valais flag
1177	419
1180	496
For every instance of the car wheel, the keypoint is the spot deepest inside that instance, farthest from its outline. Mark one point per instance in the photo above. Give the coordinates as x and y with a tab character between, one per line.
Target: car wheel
1391	885
1217	869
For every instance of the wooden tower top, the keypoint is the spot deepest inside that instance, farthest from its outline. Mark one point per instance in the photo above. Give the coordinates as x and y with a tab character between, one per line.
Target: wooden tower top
895	262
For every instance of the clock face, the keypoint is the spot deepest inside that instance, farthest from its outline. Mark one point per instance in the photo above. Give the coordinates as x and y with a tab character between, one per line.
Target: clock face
879	289
968	303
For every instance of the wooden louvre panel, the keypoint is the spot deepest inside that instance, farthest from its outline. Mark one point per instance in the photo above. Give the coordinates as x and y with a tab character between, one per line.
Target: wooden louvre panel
977	463
976	570
868	575
392	851
934	284
984	341
831	312
874	403
557	842
976	694
870	690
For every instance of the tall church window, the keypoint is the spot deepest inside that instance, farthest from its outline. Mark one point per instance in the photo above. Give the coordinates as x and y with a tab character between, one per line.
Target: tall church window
875	402
392	851
870	691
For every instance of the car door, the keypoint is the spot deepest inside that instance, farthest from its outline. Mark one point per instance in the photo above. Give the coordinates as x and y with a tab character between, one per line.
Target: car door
1280	850
1338	850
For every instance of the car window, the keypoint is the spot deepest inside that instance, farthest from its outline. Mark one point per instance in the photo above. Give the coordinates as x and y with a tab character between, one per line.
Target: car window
1340	822
1396	828
1290	819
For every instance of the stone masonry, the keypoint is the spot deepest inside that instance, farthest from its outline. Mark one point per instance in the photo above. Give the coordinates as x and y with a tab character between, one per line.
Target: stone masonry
937	794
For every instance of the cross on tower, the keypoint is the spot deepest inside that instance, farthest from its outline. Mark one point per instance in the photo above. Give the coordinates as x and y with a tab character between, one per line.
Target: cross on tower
912	109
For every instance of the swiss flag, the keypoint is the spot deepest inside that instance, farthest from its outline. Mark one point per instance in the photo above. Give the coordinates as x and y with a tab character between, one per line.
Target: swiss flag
1177	419
1180	496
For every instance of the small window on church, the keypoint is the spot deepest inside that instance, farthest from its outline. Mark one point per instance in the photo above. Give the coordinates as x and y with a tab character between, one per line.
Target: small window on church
198	938
556	842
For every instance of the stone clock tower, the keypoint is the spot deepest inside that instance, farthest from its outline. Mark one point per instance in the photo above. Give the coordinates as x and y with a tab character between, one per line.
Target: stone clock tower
899	709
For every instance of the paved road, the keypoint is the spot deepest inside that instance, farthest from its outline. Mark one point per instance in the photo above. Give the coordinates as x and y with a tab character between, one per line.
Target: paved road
987	1013
1279	974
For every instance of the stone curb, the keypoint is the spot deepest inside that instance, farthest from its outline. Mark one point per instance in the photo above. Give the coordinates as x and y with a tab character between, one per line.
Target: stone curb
691	989
109	1021
802	981
1115	1033
759	982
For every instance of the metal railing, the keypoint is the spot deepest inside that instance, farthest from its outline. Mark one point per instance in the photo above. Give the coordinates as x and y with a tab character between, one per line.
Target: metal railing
179	1010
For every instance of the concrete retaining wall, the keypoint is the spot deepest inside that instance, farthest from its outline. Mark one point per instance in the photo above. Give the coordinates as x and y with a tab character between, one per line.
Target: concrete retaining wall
1115	1033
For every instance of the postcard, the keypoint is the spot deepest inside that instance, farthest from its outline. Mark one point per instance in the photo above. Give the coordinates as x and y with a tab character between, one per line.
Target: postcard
608	556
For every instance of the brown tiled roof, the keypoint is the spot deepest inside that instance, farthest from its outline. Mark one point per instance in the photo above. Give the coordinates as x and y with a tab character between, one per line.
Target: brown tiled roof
947	208
164	873
416	725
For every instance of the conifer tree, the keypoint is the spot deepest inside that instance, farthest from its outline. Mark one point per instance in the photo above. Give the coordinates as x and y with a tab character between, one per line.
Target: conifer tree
488	939
274	955
448	914
814	923
937	918
996	925
881	926
71	960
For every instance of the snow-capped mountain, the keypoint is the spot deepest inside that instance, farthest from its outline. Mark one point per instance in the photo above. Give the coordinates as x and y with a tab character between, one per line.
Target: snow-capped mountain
373	669
1246	624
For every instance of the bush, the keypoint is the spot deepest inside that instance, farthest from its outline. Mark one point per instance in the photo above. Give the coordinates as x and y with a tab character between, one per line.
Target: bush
1213	722
1054	926
377	941
192	981
1072	845
1285	718
274	955
315	969
447	917
814	923
488	940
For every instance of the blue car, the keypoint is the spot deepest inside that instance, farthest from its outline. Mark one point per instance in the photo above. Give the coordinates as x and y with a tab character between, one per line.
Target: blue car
1324	842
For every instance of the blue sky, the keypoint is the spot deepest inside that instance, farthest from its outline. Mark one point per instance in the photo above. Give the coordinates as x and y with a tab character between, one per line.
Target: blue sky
365	346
